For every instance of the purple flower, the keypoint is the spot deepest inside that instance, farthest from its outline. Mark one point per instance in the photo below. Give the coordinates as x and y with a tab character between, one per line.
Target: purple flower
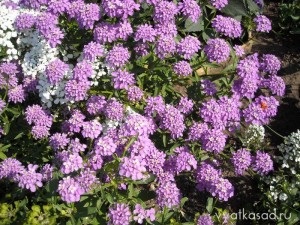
196	131
217	50
58	6
86	179
248	68
275	84
245	87
213	140
164	12
208	87
223	190
136	124
118	56
263	24
190	9
24	21
241	160
105	32
82	71
134	94
75	122
75	146
141	49
88	15
262	163
270	64
133	168
219	4
166	29
70	162
239	50
173	121
95	105
59	141
47	172
227	26
188	47
165	46
182	68
70	190
30	179
95	161
124	30
140	214
105	146
154	105
261	110
8	74
185	161
185	105
122	79
93	50
168	195
56	70
16	94
39	132
35	114
114	110
11	168
145	33
76	90
119	8
119	214
205	219
91	129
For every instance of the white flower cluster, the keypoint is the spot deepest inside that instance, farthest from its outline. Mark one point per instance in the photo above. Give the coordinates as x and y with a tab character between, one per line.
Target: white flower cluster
8	32
254	135
290	150
286	182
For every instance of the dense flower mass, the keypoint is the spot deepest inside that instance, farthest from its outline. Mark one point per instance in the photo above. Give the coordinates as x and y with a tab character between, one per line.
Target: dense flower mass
105	110
217	50
263	24
227	26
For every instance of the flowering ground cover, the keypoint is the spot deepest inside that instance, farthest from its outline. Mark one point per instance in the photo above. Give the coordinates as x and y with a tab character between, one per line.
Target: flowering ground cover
104	112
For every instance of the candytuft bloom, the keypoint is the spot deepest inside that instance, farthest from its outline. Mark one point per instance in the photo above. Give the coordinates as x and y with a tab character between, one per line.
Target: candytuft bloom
217	50
263	24
119	214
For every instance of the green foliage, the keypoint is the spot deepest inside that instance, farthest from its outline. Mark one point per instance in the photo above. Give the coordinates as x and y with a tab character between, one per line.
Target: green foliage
289	17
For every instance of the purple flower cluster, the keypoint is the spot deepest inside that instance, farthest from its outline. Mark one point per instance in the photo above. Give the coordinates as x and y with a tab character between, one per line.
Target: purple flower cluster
56	70
172	120
140	214
119	214
118	56
261	110
210	179
241	160
24	21
227	26
168	195
275	84
208	87
270	64
205	219
92	50
122	79
190	9
119	8
263	24
185	105
262	163
219	4
47	25
217	50
26	178
41	120
182	68
188	47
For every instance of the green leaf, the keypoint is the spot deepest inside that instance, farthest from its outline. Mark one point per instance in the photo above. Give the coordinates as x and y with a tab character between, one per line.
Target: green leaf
209	205
190	26
2	156
235	8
